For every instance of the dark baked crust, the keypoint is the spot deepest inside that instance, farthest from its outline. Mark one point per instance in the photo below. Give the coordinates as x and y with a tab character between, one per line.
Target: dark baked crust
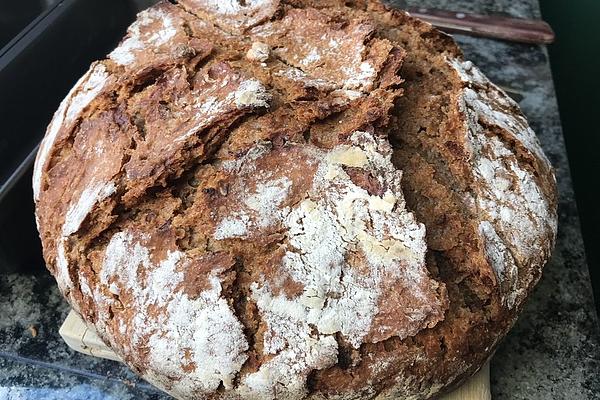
177	185
430	131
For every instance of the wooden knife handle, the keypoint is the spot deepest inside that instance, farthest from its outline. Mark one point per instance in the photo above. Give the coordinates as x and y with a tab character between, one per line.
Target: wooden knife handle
498	27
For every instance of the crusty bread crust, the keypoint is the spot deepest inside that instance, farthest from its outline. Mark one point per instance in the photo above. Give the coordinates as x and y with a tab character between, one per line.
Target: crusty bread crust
293	199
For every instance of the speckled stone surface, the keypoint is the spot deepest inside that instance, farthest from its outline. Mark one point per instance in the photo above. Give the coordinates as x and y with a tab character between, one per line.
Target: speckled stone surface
553	352
34	361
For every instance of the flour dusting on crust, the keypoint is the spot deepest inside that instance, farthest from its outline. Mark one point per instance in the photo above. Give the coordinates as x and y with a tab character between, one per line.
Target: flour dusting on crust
205	327
62	268
251	93
262	210
141	38
317	55
347	248
209	104
80	96
502	261
94	193
514	206
233	16
491	103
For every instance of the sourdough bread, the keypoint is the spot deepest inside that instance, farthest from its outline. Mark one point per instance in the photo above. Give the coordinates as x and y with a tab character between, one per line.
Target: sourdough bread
293	200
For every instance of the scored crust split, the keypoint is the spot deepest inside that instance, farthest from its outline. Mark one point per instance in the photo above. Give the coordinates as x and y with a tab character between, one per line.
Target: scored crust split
293	199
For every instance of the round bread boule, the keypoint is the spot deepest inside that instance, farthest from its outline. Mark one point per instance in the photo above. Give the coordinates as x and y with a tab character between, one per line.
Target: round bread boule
293	199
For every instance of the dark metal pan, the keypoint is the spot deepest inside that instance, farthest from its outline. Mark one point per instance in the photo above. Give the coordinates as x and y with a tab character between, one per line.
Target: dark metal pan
37	69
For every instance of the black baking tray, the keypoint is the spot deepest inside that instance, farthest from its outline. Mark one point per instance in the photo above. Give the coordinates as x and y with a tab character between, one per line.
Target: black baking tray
37	69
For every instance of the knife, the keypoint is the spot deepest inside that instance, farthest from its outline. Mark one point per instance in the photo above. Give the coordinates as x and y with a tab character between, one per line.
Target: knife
492	26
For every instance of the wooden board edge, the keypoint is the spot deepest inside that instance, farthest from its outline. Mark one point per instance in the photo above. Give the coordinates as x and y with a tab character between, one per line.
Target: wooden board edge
81	338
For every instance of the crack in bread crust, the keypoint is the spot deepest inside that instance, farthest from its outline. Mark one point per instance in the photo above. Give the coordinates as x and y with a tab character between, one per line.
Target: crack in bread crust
218	199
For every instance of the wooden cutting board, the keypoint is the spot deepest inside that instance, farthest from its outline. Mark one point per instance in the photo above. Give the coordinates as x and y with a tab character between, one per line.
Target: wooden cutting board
83	339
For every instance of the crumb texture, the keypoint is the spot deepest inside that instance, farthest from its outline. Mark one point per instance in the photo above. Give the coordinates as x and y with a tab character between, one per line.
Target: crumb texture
293	200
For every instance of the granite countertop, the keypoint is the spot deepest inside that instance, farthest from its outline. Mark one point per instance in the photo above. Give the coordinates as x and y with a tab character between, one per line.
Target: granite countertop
553	352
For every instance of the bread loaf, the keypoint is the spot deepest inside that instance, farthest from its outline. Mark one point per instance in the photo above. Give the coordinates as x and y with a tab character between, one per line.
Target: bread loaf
293	199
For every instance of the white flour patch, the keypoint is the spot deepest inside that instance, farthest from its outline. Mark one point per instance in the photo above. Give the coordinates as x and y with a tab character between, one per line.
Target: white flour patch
204	327
297	74
517	214
62	267
140	38
89	89
312	57
517	210
245	95
93	194
85	286
81	95
330	59
246	161
490	102
250	94
62	275
336	220
232	227
501	261
360	78
345	94
236	14
229	7
297	350
266	200
261	210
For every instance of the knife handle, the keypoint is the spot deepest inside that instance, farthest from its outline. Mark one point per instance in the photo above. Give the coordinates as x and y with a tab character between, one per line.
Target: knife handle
492	26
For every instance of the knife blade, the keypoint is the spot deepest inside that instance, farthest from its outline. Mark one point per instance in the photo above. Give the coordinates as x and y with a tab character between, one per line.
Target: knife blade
492	26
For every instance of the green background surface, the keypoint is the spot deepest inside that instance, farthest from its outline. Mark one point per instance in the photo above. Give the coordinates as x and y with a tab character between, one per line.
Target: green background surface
575	59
